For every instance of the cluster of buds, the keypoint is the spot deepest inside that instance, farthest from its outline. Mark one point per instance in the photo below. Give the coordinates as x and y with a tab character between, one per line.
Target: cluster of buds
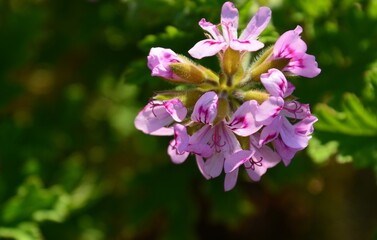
243	116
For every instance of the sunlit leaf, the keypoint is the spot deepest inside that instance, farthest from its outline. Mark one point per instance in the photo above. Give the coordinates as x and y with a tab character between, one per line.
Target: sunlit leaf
34	202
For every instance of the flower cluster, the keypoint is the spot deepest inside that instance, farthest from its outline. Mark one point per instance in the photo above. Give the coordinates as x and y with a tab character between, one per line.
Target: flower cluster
241	116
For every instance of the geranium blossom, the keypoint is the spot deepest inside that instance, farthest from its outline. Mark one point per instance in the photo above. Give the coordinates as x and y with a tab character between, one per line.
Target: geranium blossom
243	116
256	160
159	60
303	129
216	143
291	46
156	115
274	113
247	41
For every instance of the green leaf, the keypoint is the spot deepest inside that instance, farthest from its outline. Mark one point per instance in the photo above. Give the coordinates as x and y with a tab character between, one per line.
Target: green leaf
35	203
23	231
171	35
349	134
354	120
322	152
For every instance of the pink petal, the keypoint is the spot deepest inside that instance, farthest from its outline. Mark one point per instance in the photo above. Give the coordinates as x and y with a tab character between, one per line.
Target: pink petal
205	109
246	45
305	126
201	166
176	109
175	155
199	142
153	119
269	110
229	21
164	131
206	48
211	29
181	137
233	161
291	137
305	66
257	24
290	45
289	90
159	60
224	140
275	82
263	158
296	110
230	180
271	131
268	156
243	121
214	164
286	153
254	175
177	147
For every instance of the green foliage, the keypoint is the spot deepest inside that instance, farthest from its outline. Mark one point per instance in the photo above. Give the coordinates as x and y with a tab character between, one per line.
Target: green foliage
73	76
33	203
353	131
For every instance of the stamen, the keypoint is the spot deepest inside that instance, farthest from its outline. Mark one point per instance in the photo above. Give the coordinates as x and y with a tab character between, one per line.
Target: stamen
217	142
254	163
153	105
296	109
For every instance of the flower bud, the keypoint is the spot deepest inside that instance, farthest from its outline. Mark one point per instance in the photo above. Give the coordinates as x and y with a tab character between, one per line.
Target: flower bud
187	97
176	68
266	65
259	96
291	46
231	61
188	72
159	60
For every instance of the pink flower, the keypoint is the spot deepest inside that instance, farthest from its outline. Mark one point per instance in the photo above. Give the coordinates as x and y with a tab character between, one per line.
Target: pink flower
256	161
156	115
222	142
229	24
274	112
205	109
226	127
302	129
291	46
159	60
216	143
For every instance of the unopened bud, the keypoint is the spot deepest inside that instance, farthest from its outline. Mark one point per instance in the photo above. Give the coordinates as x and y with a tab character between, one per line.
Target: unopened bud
187	72
231	61
266	65
187	97
259	96
263	57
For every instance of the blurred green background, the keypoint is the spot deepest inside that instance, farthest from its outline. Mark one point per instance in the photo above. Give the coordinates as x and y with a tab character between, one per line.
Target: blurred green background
73	76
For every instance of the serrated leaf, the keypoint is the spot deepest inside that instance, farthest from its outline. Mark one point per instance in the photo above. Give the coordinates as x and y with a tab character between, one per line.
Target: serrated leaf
354	120
353	129
355	110
370	90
